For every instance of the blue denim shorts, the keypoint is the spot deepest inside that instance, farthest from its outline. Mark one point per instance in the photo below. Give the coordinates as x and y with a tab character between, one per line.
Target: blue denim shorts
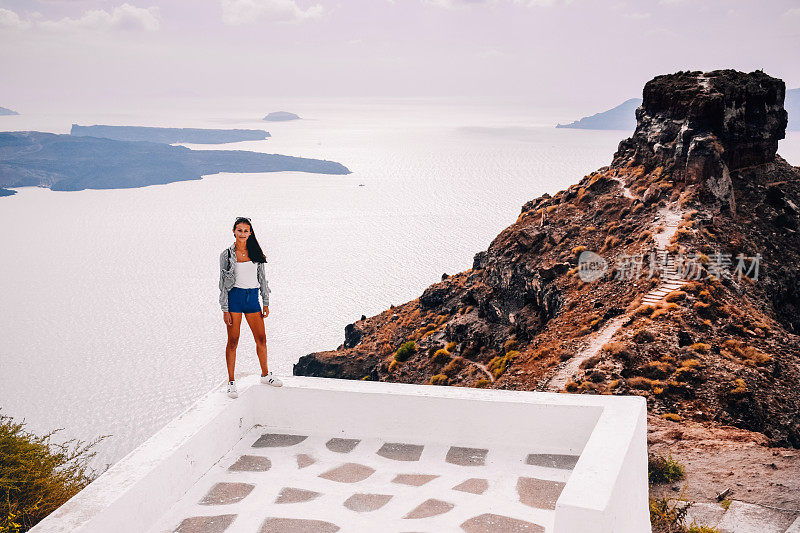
243	300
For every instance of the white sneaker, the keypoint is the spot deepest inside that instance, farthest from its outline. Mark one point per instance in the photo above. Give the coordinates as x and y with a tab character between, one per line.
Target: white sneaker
269	379
232	392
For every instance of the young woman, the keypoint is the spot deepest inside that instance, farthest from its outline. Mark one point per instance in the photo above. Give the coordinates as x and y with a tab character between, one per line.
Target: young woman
241	276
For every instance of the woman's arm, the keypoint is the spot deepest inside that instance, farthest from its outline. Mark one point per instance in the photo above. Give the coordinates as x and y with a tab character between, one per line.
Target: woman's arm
263	285
223	276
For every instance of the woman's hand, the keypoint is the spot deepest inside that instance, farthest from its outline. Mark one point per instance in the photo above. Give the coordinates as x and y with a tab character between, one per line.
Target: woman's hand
227	318
265	312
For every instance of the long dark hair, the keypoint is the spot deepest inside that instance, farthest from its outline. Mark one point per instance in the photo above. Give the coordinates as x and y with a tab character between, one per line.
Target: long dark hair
254	251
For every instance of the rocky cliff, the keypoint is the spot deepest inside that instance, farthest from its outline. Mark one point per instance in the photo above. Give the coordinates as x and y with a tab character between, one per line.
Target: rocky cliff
673	273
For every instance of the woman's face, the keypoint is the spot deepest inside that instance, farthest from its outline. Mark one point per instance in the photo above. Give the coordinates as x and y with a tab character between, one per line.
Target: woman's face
241	231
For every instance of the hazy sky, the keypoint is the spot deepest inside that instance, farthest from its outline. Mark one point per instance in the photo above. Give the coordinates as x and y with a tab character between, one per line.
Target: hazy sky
550	51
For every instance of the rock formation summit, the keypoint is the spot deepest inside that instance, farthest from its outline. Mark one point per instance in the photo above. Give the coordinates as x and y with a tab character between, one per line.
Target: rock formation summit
702	126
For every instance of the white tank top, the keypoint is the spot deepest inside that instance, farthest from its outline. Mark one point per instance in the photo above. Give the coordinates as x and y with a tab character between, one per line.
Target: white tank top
246	275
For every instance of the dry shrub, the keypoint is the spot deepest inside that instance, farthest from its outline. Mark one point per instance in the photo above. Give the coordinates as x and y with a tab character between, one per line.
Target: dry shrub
439	379
693	287
642	336
685	373
700	347
578	250
644	310
616	349
675	296
739	387
672	416
597	376
639	382
441	356
482	383
510	344
610	242
455	366
755	356
450	346
571	386
590	362
659	312
657	369
701	307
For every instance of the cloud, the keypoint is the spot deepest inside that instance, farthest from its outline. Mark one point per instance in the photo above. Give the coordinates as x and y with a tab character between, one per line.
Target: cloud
637	16
793	13
541	3
488	53
125	17
9	19
465	3
456	3
238	12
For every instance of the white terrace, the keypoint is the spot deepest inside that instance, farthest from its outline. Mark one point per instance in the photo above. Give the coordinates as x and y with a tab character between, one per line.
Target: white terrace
325	455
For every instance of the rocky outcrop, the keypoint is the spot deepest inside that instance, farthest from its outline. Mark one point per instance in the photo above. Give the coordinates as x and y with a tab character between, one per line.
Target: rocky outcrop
701	127
722	350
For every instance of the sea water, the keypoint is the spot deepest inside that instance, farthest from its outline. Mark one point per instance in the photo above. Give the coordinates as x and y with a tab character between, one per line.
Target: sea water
110	317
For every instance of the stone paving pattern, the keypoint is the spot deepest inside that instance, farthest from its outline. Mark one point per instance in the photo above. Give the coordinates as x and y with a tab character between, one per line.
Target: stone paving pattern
289	481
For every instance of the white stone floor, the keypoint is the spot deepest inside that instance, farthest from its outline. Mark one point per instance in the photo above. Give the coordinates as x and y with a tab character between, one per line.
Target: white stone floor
280	480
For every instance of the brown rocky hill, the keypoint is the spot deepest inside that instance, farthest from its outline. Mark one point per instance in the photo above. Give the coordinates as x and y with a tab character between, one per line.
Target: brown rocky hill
692	299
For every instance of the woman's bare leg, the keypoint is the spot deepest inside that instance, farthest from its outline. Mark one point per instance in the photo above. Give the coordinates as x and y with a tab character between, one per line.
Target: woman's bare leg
256	323
233	342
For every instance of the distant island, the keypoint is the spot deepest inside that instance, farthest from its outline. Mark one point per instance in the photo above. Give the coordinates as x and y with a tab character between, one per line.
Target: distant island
792	106
622	117
279	116
168	135
5	111
74	163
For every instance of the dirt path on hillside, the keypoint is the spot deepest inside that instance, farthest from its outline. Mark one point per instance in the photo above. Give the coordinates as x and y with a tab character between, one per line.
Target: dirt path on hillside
668	218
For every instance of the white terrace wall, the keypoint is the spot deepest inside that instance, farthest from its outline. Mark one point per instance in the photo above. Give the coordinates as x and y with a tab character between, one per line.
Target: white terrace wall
606	492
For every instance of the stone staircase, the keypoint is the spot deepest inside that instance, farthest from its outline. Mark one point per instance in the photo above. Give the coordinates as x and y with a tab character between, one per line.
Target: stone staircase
671	279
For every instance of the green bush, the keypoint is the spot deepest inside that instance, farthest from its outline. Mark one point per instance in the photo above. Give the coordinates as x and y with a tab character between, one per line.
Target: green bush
662	469
499	364
36	475
405	351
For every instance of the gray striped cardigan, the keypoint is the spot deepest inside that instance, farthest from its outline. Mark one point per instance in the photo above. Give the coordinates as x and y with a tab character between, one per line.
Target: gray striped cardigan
227	277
